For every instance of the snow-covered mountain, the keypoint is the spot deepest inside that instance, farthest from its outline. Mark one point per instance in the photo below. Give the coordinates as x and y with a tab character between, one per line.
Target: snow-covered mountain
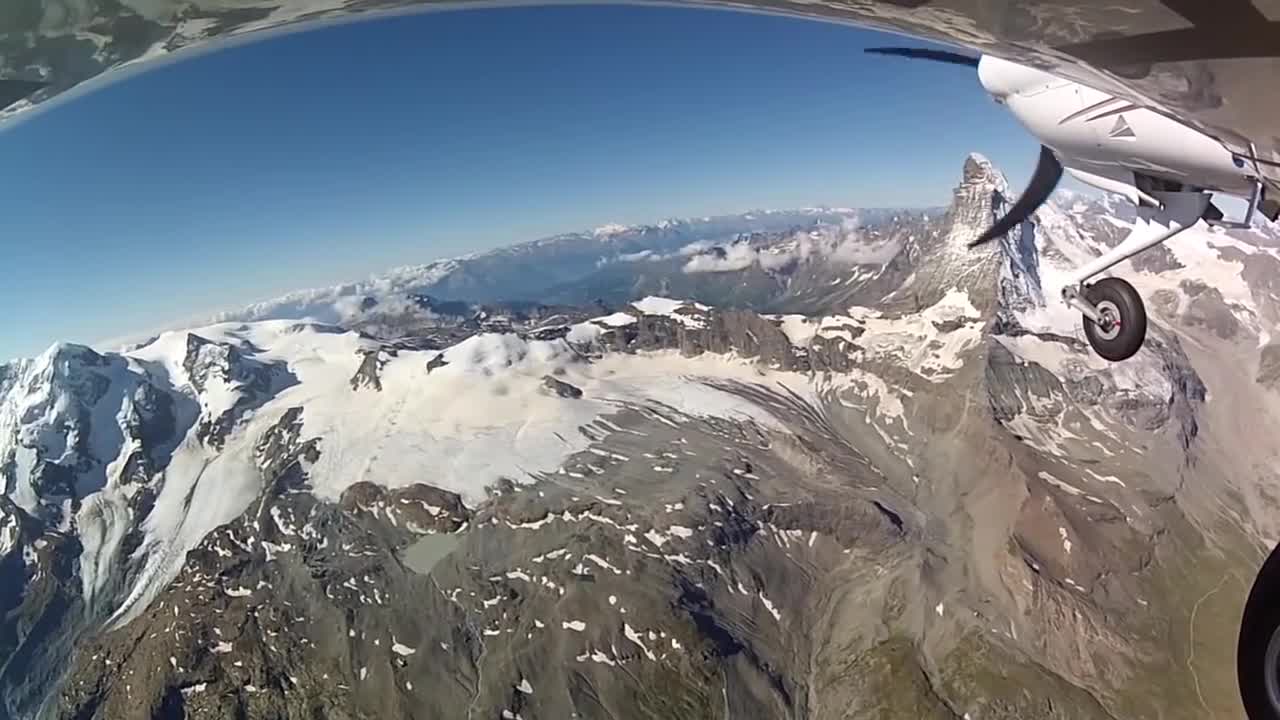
900	485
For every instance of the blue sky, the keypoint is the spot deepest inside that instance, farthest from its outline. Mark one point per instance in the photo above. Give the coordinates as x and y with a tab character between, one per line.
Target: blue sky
322	156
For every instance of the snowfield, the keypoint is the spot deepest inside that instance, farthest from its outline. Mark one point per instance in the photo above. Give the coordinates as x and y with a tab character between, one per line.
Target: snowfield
483	415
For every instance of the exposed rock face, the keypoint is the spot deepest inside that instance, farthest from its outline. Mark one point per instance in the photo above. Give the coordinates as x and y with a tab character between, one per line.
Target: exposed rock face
367	374
1017	387
1207	308
1157	259
1269	365
560	387
1165	304
216	370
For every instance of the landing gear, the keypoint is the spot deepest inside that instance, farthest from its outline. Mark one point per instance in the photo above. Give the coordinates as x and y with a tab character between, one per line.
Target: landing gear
1258	648
1122	321
1115	320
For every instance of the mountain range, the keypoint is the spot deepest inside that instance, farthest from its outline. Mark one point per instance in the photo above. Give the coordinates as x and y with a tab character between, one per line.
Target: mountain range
613	259
809	464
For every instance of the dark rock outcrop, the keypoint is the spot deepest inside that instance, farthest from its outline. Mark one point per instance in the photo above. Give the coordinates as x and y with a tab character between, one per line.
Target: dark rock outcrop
1269	366
561	388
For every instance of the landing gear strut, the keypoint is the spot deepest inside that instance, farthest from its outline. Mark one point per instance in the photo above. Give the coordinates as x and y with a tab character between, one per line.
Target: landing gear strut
1115	321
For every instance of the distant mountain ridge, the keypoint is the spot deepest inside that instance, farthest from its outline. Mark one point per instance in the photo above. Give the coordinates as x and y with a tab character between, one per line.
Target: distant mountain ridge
527	271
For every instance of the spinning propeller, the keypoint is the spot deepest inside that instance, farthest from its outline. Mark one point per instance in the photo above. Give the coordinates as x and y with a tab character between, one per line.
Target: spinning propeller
1048	170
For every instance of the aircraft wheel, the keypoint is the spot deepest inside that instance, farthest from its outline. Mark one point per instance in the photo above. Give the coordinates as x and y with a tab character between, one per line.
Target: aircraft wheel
1120	303
1258	649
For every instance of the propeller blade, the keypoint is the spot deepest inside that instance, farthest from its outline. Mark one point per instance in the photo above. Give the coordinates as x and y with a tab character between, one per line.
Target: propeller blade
11	91
1043	181
926	54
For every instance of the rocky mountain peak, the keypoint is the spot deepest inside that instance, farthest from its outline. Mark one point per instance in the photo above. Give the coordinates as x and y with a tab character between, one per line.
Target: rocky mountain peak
981	195
207	360
229	380
942	258
978	170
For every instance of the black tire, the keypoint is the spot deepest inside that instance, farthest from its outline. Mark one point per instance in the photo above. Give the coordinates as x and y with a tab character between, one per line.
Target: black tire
1259	679
1119	299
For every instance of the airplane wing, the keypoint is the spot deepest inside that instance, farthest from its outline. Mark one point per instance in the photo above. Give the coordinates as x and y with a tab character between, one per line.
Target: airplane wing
1210	64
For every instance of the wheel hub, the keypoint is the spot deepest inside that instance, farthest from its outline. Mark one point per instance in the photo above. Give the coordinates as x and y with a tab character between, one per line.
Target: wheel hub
1111	323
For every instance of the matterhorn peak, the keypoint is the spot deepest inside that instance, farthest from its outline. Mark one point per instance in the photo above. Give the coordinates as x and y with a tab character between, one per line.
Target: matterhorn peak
946	259
978	170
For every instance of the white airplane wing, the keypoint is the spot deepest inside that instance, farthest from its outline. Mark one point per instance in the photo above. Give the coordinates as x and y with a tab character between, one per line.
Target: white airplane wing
1212	65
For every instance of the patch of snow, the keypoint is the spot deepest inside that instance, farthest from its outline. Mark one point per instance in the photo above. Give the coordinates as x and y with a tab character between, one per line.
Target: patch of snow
655	537
768	604
638	640
799	329
602	658
602	563
618	319
1055	357
1106	478
574	625
283	524
667	307
583	334
1066	487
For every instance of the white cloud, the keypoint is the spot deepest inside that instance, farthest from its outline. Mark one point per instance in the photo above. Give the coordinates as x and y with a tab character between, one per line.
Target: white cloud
842	244
387	316
864	253
738	256
694	248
